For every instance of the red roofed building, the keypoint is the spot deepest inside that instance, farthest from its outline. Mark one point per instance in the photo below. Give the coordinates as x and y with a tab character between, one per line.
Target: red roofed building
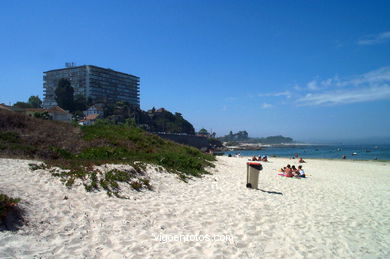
89	119
5	107
59	114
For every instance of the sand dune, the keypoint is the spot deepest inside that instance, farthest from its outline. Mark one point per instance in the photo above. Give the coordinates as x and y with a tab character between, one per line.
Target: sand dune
341	210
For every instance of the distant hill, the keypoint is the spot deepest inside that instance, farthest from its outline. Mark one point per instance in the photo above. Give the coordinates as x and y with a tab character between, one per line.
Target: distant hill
242	136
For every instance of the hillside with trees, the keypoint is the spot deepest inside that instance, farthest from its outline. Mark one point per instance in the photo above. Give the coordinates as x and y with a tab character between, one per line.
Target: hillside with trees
154	120
33	102
160	120
242	136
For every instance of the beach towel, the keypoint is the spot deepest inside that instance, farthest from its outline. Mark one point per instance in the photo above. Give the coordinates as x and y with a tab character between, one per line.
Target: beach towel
285	175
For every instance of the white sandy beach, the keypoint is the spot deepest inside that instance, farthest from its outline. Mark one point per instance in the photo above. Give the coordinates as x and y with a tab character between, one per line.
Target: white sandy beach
342	210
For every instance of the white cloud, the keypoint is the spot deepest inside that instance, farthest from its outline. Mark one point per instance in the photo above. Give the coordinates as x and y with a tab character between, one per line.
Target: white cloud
370	86
366	87
328	82
284	93
381	75
312	85
346	96
266	105
297	87
375	39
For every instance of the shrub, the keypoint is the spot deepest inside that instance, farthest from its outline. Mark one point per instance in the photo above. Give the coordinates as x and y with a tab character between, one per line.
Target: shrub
136	185
9	137
34	167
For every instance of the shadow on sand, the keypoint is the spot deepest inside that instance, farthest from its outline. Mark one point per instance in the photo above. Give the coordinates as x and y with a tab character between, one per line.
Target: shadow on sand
270	192
12	220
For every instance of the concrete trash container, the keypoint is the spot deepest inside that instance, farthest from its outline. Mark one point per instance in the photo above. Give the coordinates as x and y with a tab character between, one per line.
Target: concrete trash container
252	174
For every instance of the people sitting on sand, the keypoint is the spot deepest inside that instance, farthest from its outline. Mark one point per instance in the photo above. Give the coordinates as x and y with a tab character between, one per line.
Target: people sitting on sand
300	172
291	171
288	171
254	158
301	160
264	159
294	169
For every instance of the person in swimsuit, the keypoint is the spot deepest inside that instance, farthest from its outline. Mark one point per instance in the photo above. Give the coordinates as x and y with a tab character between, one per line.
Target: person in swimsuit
294	169
301	173
288	171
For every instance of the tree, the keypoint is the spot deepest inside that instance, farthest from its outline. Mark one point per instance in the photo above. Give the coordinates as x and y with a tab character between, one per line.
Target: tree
79	103
90	101
42	115
165	121
22	105
64	94
203	131
35	101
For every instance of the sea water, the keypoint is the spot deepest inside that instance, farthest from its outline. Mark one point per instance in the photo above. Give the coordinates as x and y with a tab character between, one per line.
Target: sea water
354	152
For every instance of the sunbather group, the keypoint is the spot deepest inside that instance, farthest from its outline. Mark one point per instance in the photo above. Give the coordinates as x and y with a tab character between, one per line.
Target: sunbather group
260	158
292	171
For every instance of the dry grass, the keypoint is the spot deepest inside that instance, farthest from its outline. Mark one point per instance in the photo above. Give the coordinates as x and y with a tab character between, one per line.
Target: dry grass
23	136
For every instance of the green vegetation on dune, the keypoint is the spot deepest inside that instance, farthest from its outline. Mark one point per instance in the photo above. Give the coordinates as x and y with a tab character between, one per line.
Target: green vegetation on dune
122	143
78	149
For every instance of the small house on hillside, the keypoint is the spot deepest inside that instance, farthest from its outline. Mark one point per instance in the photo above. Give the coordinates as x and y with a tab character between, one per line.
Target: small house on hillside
59	114
89	120
94	109
5	107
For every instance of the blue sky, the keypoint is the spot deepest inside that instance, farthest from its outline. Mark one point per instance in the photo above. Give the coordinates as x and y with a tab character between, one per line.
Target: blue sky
311	70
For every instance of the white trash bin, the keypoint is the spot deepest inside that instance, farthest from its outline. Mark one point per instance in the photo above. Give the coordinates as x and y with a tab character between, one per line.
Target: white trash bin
252	174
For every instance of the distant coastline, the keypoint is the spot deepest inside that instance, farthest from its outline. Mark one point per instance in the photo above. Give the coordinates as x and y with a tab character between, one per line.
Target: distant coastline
258	146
